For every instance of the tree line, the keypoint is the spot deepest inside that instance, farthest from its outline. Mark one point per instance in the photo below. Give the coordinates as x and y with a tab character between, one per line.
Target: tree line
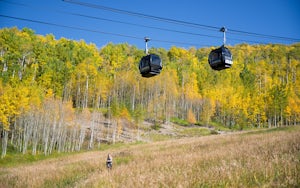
51	89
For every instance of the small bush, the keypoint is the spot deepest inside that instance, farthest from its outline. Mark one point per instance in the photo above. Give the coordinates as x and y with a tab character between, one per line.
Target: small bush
180	121
156	126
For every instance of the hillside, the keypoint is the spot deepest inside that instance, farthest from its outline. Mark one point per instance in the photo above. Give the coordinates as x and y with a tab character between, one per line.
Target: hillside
268	158
61	95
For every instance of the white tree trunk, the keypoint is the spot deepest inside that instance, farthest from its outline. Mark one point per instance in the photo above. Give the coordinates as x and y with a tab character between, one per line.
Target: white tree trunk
4	143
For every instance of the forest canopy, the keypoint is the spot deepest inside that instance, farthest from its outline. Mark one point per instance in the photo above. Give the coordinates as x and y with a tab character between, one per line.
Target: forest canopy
50	89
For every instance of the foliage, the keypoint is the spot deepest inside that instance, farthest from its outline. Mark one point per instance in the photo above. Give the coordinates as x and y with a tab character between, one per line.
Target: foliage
47	84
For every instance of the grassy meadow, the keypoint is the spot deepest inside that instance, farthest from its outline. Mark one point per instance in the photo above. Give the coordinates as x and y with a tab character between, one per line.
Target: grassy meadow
268	158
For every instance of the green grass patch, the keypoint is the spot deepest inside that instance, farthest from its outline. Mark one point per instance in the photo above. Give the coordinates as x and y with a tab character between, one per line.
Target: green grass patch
160	137
179	121
196	131
219	126
14	159
106	146
117	145
275	129
123	160
72	174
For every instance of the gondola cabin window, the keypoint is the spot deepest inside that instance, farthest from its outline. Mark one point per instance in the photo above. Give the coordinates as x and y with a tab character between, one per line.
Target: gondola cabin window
220	58
145	64
150	65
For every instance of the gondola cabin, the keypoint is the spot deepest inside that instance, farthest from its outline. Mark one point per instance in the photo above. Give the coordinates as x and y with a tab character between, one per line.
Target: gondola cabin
220	58
150	65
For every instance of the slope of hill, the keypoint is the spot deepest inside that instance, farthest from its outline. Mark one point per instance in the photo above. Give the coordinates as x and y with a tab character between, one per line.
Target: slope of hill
267	158
61	95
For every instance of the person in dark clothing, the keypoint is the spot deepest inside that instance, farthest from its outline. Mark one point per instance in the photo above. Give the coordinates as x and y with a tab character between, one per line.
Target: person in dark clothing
109	161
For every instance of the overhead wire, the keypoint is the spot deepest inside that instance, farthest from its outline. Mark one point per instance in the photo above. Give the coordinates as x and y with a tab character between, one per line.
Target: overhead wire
169	20
95	31
246	33
175	21
142	25
69	27
115	21
158	28
132	24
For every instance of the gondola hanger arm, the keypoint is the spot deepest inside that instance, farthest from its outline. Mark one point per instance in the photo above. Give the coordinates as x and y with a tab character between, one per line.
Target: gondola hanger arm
223	29
146	44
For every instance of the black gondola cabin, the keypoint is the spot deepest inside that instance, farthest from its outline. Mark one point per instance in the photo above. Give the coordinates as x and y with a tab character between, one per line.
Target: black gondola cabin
150	65
220	58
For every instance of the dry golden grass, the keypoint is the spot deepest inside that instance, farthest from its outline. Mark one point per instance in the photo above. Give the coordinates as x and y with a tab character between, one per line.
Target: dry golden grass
269	159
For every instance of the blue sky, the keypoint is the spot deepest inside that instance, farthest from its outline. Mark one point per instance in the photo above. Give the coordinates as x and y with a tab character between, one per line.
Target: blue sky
197	22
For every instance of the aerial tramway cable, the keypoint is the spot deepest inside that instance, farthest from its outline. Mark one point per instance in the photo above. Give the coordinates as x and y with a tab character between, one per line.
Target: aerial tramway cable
173	21
179	22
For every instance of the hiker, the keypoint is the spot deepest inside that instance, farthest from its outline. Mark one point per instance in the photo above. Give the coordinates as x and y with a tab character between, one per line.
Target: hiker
109	161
